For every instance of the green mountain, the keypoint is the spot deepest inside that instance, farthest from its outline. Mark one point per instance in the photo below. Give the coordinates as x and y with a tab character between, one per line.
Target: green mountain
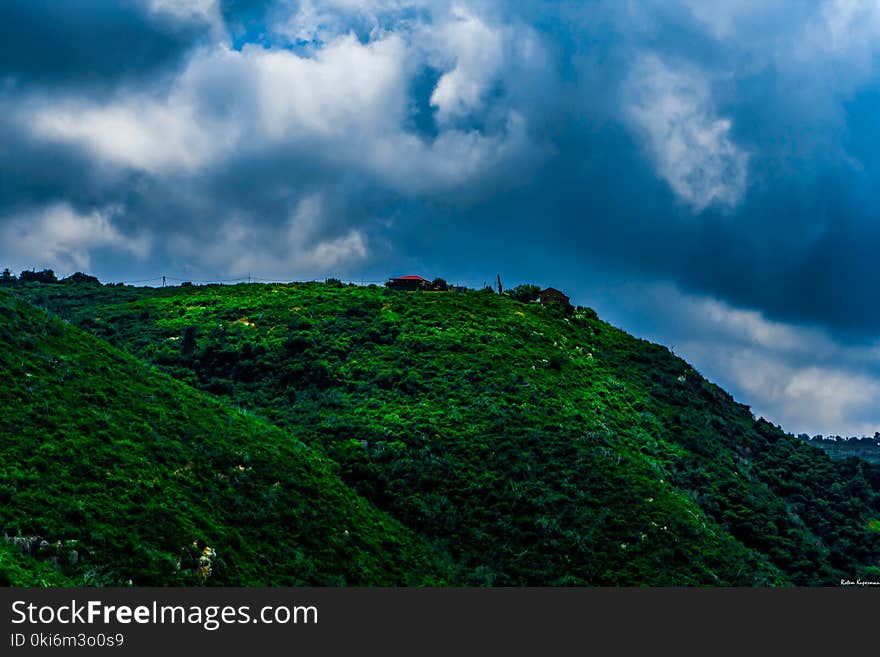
526	445
114	472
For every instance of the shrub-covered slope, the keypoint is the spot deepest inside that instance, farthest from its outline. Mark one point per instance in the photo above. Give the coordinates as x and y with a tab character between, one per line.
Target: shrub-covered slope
532	446
111	471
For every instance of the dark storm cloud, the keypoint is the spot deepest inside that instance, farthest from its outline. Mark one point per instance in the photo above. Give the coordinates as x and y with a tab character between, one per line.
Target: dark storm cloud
722	154
800	241
87	42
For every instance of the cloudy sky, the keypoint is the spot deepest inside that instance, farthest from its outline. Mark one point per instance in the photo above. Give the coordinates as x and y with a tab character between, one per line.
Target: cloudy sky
703	174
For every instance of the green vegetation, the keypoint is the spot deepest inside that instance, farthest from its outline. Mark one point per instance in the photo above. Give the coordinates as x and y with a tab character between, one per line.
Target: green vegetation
525	293
524	444
112	472
20	569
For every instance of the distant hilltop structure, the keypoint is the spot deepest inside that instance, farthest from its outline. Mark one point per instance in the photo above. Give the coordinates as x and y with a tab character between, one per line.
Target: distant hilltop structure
409	283
412	283
549	296
552	296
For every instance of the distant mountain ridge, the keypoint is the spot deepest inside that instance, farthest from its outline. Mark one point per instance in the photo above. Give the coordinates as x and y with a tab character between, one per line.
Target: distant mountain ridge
840	448
522	444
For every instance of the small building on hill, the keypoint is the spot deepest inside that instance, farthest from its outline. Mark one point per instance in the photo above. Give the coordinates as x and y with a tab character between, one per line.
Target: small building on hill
552	296
409	283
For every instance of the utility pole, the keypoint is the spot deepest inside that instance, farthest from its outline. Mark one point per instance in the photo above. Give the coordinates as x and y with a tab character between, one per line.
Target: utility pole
499	284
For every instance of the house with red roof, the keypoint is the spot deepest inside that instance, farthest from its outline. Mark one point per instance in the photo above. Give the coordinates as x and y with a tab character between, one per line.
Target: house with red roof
409	283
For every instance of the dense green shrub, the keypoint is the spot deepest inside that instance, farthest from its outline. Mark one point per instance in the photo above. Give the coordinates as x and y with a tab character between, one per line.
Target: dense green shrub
42	276
525	293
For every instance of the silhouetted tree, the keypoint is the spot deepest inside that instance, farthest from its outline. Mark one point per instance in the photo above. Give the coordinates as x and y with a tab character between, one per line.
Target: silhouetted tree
43	276
80	277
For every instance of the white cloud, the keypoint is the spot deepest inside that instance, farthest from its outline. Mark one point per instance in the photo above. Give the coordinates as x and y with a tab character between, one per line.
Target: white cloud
467	47
476	53
301	248
310	248
59	237
848	25
347	87
226	100
347	103
136	131
453	158
323	20
190	11
800	396
752	328
690	145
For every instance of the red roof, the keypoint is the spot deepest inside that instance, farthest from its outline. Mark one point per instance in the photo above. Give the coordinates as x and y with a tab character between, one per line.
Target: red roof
411	278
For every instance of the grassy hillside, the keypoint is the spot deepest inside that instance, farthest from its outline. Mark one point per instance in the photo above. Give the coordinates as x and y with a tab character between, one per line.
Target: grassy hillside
531	446
113	472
